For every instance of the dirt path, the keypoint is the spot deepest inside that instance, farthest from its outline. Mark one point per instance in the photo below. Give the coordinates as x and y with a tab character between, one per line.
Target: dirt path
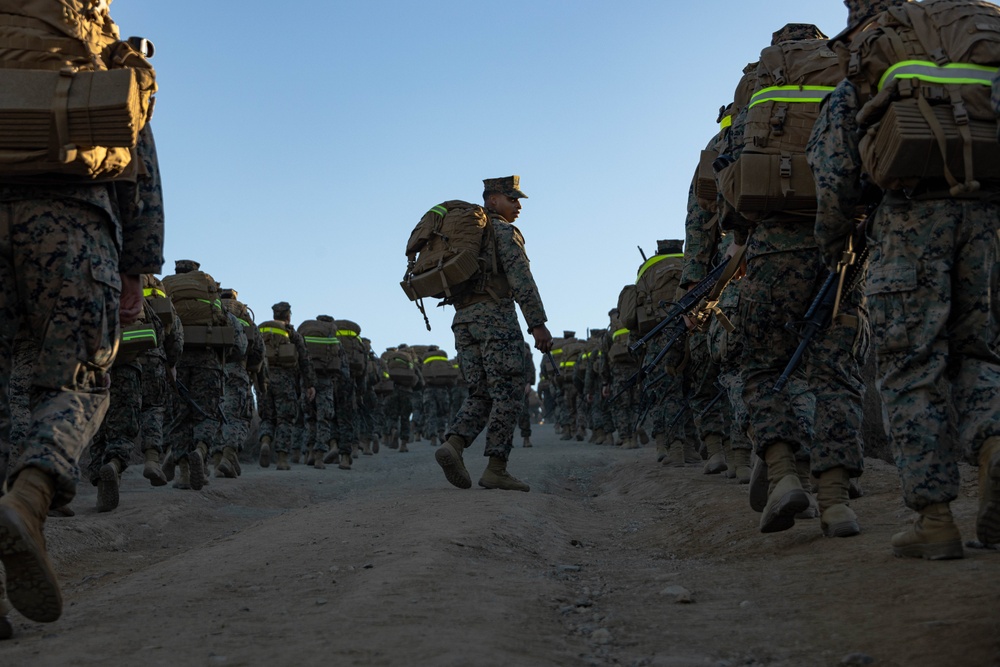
389	565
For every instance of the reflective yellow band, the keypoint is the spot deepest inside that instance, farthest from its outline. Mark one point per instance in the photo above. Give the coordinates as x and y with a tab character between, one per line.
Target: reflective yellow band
347	332
274	330
430	359
440	210
454	365
804	94
214	304
152	291
139	334
958	73
620	332
727	121
385	375
408	363
322	340
655	259
567	364
244	322
555	352
584	356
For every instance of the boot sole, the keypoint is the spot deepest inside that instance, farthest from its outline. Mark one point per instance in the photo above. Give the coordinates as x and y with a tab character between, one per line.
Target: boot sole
951	550
107	488
169	468
842	529
782	515
454	469
196	470
154	479
32	585
502	487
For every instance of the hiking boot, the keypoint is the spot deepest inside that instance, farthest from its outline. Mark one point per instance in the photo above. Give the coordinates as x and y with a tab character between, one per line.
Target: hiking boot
151	470
595	437
224	468
402	445
109	477
581	434
434	441
332	456
61	512
758	485
169	466
988	516
32	584
933	536
661	447
496	477
344	462
375	445
837	519
183	480
741	465
675	454
643	436
366	447
786	497
283	461
727	451
196	466
527	442
716	462
629	443
566	435
296	456
310	457
318	461
690	453
230	454
449	457
265	451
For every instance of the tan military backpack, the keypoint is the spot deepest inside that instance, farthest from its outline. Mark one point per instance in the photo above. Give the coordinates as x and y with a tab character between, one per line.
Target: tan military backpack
400	367
772	173
444	250
438	370
279	350
349	334
924	73
73	97
656	282
325	348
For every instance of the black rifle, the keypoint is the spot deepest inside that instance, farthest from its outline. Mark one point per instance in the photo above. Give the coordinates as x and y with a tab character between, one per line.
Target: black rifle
643	371
183	392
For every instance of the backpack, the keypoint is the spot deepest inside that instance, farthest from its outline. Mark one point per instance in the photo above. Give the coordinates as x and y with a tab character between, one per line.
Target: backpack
444	250
618	352
924	73
74	97
627	307
657	280
279	350
349	334
159	302
566	353
196	298
326	351
399	366
771	173
438	370
138	337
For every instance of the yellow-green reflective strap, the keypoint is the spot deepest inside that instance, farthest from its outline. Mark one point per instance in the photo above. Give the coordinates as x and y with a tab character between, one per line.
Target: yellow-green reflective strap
727	121
274	330
139	334
404	360
347	332
440	210
430	359
385	375
321	340
214	304
244	322
790	94
567	364
584	356
959	73
152	291
555	352
620	332
655	259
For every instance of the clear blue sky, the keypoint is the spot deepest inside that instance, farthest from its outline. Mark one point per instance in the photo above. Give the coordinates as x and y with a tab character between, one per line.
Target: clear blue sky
300	142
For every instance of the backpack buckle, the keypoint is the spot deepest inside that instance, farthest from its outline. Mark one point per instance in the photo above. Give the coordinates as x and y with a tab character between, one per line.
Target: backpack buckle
785	166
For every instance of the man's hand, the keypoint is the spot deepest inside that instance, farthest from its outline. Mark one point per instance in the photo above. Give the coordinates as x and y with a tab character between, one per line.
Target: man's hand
130	304
310	394
543	339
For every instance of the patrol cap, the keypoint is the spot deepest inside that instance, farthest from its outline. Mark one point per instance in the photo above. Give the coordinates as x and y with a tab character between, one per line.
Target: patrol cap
859	11
796	32
186	265
228	293
281	308
569	334
613	311
669	247
324	318
508	185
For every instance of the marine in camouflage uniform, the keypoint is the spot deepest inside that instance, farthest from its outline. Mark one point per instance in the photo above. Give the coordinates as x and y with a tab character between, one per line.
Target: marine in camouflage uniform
820	410
240	374
436	396
932	286
615	374
458	393
399	404
524	419
368	415
599	412
327	418
281	428
489	344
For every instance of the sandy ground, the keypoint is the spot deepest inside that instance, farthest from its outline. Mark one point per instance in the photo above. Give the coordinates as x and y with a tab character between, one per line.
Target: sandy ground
609	560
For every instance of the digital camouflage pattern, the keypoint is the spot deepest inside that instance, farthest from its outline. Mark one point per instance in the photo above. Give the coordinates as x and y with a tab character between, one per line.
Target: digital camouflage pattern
281	417
490	349
932	282
119	432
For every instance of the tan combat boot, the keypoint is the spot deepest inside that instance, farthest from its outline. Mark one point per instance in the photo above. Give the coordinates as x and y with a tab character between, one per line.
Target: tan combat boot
233	456
183	480
727	451
933	536
594	437
449	457
716	462
786	497
344	462
802	469
567	433
283	461
402	445
988	516
690	452
225	468
265	451
837	519
151	469
296	455
527	441
581	434
434	440
196	466
741	465
643	436
333	453
496	477
109	477
375	444
675	454
317	462
758	484
169	465
630	443
661	448
393	441
32	584
216	460
310	457
366	447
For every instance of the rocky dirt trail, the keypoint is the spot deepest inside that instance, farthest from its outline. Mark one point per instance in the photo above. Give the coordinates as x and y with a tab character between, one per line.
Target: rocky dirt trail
609	560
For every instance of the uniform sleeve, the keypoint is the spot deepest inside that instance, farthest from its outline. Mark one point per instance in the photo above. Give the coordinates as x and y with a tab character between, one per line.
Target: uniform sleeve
835	160
514	260
141	212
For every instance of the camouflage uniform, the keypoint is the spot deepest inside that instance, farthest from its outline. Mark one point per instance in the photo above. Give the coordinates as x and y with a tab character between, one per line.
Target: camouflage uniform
155	368
932	285
490	348
524	419
436	396
330	419
399	404
281	418
620	366
25	354
599	410
239	375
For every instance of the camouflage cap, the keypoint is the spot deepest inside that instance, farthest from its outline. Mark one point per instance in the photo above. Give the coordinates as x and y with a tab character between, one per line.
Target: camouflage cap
569	334
281	308
859	11
796	32
228	293
186	265
669	247
324	318
613	311
508	185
